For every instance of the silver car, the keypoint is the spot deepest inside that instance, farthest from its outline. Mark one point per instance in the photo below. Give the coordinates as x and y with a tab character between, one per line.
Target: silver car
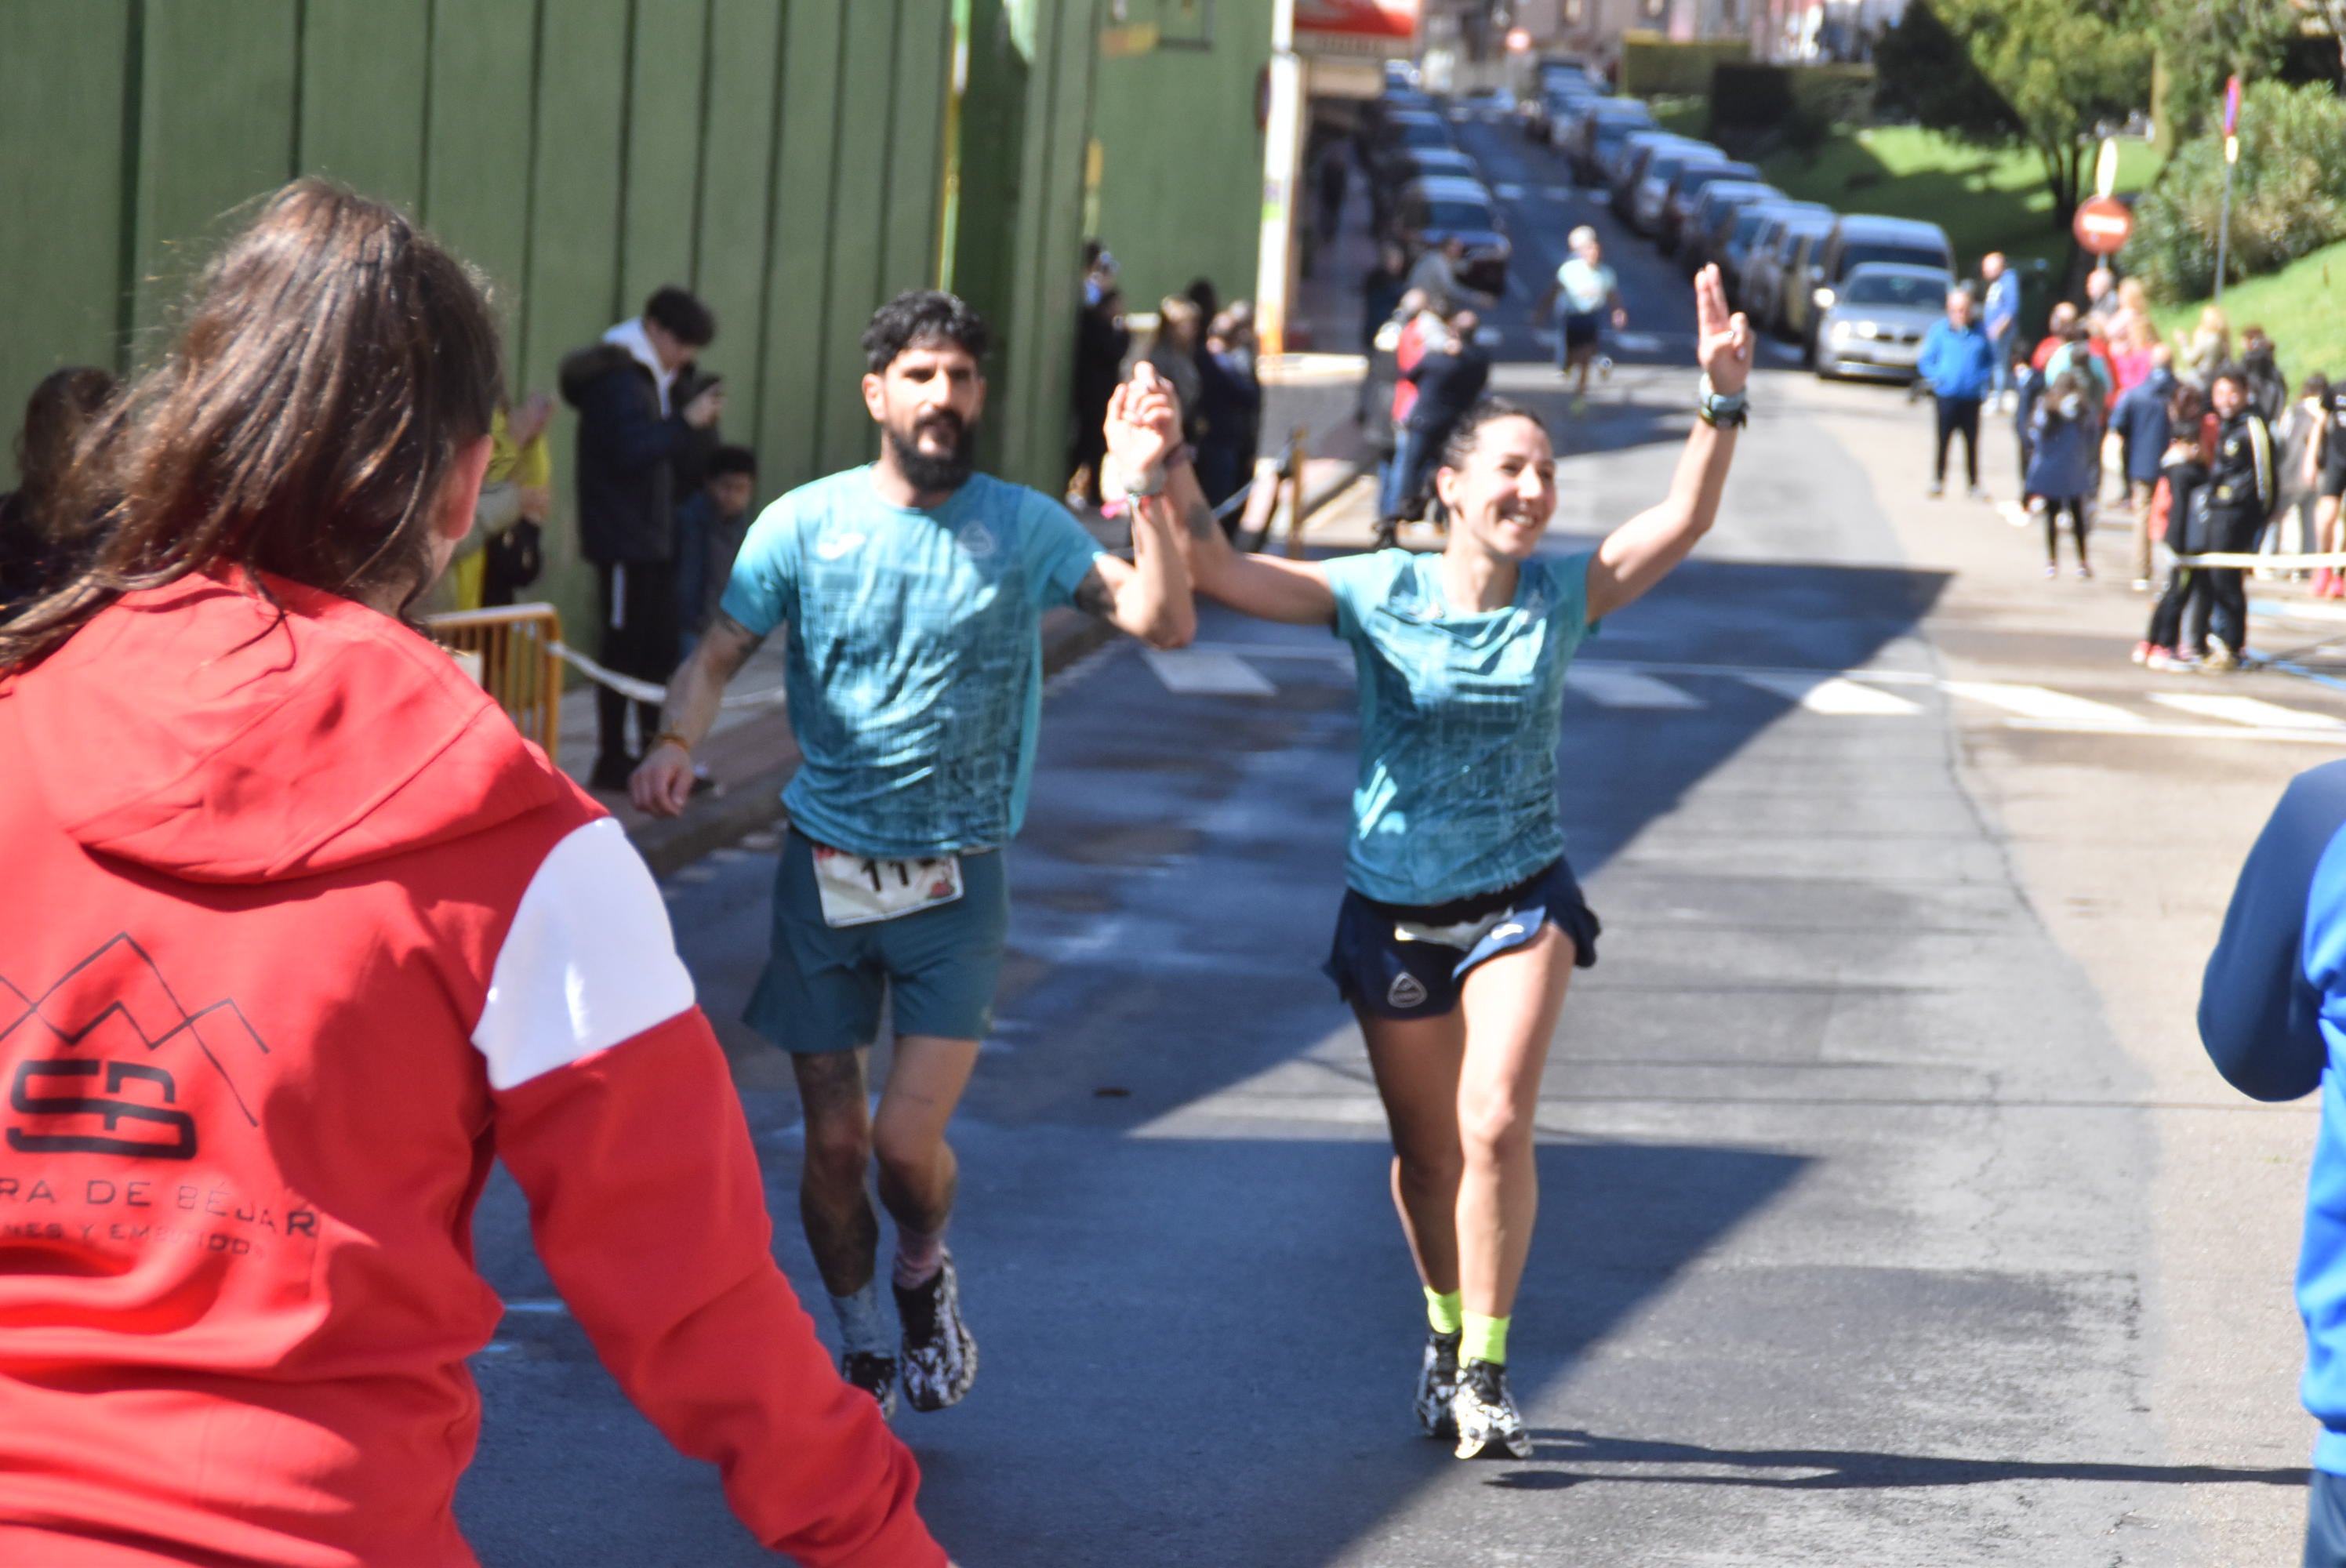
1875	323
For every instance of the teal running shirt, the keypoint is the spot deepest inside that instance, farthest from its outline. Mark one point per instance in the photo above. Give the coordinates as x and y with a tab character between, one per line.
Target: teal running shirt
915	655
1460	720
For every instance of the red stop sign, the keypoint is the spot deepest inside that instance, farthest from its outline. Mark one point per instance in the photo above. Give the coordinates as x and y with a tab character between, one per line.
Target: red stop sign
2103	224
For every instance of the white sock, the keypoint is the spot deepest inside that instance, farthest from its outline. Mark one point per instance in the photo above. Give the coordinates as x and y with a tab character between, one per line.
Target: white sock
863	1323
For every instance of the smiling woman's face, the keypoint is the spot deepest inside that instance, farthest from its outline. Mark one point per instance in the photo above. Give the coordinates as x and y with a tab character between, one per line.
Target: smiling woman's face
1504	496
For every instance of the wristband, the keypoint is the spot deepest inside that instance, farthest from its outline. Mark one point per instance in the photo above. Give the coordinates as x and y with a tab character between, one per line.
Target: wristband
670	737
1722	411
1139	491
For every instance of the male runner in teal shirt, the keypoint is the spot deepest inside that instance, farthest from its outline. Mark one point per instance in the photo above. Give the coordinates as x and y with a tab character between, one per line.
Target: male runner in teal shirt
913	592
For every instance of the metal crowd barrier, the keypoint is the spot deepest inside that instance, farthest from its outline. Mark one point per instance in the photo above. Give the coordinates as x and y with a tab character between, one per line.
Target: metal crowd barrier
515	647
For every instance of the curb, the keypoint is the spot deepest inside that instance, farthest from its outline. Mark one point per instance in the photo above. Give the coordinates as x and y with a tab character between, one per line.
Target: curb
746	805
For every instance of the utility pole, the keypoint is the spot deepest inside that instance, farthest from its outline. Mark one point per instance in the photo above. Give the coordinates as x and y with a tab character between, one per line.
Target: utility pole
2231	156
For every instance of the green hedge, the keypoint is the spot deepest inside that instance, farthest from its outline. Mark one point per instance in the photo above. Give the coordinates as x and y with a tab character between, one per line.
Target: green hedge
1651	63
2289	195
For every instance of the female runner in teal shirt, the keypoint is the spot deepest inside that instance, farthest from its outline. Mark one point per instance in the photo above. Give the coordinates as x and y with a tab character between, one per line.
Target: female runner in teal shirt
1462	923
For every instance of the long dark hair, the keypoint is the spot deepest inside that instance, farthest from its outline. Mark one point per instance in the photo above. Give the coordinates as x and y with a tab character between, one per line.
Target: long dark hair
304	423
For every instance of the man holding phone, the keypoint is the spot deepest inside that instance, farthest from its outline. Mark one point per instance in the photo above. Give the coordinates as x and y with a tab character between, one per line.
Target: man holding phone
912	592
639	423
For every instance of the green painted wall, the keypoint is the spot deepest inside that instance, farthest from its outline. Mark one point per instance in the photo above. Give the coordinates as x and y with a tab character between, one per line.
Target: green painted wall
783	157
1181	158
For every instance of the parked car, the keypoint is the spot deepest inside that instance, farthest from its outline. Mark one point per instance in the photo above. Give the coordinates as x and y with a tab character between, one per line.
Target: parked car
1405	166
1796	304
1601	126
1635	155
1859	238
1663	167
1677	205
1876	324
1429	212
1760	283
1745	241
1713	214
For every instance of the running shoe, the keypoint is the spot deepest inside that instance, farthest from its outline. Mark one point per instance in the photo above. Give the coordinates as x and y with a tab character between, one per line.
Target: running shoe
1437	1382
2142	652
1604	368
1975	492
875	1374
1579	405
2220	660
2171	662
1484	1411
1938	488
2084	573
940	1356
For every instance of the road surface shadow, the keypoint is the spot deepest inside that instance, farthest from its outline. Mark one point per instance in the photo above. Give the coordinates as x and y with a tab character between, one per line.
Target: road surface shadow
1836	1469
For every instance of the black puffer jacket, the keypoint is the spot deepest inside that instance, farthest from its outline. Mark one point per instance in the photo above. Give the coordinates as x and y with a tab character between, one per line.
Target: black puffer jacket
627	456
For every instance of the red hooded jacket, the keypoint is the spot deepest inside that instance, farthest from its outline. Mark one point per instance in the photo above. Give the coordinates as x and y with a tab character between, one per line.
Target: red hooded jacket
297	933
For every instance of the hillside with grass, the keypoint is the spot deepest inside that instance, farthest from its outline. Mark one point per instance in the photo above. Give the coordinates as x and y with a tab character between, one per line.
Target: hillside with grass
2302	306
1986	200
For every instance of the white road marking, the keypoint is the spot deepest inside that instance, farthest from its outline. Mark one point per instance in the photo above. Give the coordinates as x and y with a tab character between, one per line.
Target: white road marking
1625	689
1638	343
2043	703
2180	731
1834	696
1206	672
2254	711
1508	192
543	1309
1559	193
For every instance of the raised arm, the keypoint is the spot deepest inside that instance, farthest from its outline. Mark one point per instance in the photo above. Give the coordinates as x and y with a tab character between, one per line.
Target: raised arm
1640	552
1150	595
1263	587
663	783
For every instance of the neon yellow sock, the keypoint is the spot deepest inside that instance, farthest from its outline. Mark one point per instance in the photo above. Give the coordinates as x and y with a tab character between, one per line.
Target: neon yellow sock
1442	1311
1485	1340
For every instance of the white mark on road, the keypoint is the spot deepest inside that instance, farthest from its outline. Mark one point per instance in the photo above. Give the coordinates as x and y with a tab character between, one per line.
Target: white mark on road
1508	192
1206	672
2254	711
1834	696
2043	703
1625	689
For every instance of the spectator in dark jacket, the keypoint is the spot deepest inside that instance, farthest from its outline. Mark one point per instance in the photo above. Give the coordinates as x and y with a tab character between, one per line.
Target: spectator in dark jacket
2065	467
2141	424
632	437
2260	372
1232	411
1101	342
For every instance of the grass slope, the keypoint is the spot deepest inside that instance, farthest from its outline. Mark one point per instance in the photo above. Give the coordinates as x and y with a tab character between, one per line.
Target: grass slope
2300	306
1986	200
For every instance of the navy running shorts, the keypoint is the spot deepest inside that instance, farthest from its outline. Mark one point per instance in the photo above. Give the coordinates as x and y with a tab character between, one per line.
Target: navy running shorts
1581	331
823	984
1391	960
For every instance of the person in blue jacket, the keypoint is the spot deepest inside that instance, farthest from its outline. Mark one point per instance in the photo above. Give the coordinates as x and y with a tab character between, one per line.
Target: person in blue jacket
1959	361
2272	1015
2065	465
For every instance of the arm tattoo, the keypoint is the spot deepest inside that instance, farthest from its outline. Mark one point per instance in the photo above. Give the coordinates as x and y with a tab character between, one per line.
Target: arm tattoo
1203	524
1092	596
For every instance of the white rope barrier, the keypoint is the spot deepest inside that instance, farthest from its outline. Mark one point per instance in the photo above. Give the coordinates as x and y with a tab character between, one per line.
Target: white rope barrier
635	690
2247	561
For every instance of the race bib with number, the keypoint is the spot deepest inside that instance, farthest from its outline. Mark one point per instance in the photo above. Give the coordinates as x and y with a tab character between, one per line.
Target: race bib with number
858	890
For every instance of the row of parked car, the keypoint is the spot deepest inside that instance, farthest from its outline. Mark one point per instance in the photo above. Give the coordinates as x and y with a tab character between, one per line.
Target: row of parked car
1855	290
1424	190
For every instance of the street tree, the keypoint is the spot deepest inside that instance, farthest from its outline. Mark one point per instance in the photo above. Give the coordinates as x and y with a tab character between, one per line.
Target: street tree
2047	75
2201	45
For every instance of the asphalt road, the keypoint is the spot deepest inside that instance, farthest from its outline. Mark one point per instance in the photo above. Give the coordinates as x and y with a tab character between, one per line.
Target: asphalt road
1888	1220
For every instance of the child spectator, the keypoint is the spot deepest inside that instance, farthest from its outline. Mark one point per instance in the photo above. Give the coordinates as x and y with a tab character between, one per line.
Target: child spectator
2179	516
710	526
2065	470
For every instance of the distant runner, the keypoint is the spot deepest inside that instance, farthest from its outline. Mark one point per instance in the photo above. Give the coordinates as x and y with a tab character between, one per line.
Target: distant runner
1464	923
912	590
1592	297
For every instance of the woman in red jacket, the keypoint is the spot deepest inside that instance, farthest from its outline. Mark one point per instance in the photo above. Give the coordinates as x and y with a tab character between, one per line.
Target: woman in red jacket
298	934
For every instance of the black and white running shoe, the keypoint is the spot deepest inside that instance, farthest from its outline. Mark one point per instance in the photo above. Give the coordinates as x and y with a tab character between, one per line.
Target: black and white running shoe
875	1374
940	1356
1437	1381
1488	1426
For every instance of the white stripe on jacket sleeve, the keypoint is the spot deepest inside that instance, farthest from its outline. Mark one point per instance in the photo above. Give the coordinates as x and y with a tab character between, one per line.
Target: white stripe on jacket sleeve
588	962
